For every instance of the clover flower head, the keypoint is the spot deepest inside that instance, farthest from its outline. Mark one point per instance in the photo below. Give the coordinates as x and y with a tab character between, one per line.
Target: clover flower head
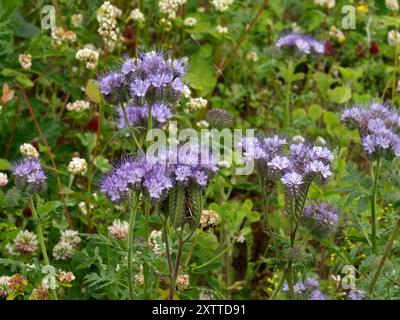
63	250
119	229
26	242
70	236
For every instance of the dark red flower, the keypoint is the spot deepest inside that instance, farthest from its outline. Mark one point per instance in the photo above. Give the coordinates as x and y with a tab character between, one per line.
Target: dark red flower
27	212
93	124
360	51
328	47
374	49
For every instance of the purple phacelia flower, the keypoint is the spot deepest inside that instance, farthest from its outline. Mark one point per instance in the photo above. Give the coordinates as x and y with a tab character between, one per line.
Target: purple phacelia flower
303	44
317	295
356	294
320	219
378	126
29	175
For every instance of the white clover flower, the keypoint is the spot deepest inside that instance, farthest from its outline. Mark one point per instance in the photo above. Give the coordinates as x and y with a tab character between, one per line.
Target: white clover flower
392	5
196	104
29	151
70	236
222	5
66	276
4	288
137	15
25	60
63	250
183	282
83	208
139	278
89	56
59	36
77	166
252	56
78	105
222	29
190	22
26	242
76	20
208	219
119	229
170	7
49	280
156	243
393	38
3	179
325	3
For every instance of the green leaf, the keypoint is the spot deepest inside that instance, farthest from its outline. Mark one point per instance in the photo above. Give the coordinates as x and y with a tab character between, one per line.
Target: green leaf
24	80
315	111
202	75
102	164
93	91
4	164
339	95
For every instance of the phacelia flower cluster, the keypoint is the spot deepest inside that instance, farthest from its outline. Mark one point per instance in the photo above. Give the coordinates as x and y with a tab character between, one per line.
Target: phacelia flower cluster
303	44
29	175
379	128
307	290
320	219
155	175
296	166
152	80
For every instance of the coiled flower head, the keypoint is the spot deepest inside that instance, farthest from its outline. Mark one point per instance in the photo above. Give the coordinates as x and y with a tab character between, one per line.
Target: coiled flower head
320	219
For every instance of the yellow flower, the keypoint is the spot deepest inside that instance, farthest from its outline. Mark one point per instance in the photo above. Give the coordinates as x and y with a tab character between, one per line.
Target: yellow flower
363	8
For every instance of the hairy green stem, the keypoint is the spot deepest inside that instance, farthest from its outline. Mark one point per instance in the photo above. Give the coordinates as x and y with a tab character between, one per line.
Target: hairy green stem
373	206
41	242
172	283
129	243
